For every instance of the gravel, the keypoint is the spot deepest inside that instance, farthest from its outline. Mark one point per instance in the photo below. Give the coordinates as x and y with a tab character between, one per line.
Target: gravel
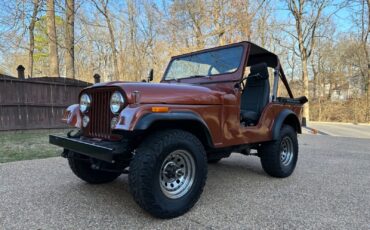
329	189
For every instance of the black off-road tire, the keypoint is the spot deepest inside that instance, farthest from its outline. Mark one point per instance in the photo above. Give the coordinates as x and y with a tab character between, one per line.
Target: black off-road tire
145	168
271	154
81	167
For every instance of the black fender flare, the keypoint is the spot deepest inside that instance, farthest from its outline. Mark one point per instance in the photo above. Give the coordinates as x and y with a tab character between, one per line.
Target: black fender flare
281	118
150	118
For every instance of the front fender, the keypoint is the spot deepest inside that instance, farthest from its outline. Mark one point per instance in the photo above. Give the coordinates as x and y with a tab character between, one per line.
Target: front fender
139	118
147	120
129	116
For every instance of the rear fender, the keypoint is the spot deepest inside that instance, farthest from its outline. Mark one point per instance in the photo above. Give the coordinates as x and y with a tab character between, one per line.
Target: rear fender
288	117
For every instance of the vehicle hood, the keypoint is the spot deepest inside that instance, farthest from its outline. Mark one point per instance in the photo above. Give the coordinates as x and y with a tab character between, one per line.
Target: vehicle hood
168	93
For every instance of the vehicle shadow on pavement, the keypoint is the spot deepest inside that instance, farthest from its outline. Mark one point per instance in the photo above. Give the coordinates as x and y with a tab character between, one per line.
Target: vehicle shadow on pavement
115	196
238	163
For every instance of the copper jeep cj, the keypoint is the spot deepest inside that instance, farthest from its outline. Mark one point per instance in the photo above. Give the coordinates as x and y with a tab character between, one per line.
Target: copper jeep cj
209	104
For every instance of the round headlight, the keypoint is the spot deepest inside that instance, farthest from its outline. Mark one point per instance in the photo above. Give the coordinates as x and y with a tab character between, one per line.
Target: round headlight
116	102
85	102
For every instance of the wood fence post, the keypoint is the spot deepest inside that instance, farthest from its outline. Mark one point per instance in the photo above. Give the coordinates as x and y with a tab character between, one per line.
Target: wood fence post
96	78
20	70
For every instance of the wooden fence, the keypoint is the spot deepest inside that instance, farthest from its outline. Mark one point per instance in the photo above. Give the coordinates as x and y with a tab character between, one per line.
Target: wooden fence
36	103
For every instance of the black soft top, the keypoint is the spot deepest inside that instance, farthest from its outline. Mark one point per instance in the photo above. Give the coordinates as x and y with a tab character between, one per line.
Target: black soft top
258	54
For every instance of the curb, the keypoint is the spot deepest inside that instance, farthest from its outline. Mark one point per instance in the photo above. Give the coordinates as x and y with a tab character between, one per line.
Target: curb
315	131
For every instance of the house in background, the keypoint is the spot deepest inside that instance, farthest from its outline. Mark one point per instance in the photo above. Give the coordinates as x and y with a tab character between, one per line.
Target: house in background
340	93
351	89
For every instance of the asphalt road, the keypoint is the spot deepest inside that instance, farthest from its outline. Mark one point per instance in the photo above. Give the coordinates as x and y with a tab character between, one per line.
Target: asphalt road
342	129
330	189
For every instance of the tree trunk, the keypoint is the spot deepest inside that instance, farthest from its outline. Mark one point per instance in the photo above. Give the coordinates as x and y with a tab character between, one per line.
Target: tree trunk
113	47
316	91
32	36
103	9
304	60
133	41
197	30
365	47
306	108
52	35
367	83
306	31
69	39
315	85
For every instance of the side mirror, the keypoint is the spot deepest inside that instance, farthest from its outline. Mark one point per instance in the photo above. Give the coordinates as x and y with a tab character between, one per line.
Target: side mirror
150	75
237	88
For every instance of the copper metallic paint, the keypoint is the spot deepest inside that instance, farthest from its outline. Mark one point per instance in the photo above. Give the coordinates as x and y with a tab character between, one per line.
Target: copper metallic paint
215	100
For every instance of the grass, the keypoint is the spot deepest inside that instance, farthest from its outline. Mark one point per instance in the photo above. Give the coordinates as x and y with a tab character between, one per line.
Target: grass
27	145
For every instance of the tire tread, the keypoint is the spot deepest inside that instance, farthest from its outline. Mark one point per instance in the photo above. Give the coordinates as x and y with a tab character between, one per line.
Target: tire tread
270	160
83	171
144	163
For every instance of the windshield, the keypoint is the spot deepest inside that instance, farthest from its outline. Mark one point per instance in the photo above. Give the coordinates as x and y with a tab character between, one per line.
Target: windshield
210	63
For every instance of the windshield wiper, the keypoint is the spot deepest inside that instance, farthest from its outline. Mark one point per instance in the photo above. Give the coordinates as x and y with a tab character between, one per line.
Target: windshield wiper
192	76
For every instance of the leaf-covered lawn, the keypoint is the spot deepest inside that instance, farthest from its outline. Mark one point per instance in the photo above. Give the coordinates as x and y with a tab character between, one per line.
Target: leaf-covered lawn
27	145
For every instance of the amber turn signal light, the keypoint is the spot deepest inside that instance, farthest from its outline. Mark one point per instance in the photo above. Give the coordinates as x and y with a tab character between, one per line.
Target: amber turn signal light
159	109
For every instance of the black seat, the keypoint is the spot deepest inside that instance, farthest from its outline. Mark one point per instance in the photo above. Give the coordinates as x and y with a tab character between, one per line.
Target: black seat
255	95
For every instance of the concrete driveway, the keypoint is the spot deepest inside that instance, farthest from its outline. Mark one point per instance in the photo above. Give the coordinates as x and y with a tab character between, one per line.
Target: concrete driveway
342	129
329	189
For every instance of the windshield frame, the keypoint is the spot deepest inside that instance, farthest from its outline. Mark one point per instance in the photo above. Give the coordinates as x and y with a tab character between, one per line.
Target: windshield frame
241	63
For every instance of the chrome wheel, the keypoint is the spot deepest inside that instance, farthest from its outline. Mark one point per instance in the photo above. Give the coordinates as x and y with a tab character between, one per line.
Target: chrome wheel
177	174
286	151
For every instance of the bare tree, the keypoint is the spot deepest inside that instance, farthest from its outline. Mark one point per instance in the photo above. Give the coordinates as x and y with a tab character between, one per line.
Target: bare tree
244	17
36	6
102	7
69	38
192	18
52	35
365	31
123	39
132	31
307	15
196	13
